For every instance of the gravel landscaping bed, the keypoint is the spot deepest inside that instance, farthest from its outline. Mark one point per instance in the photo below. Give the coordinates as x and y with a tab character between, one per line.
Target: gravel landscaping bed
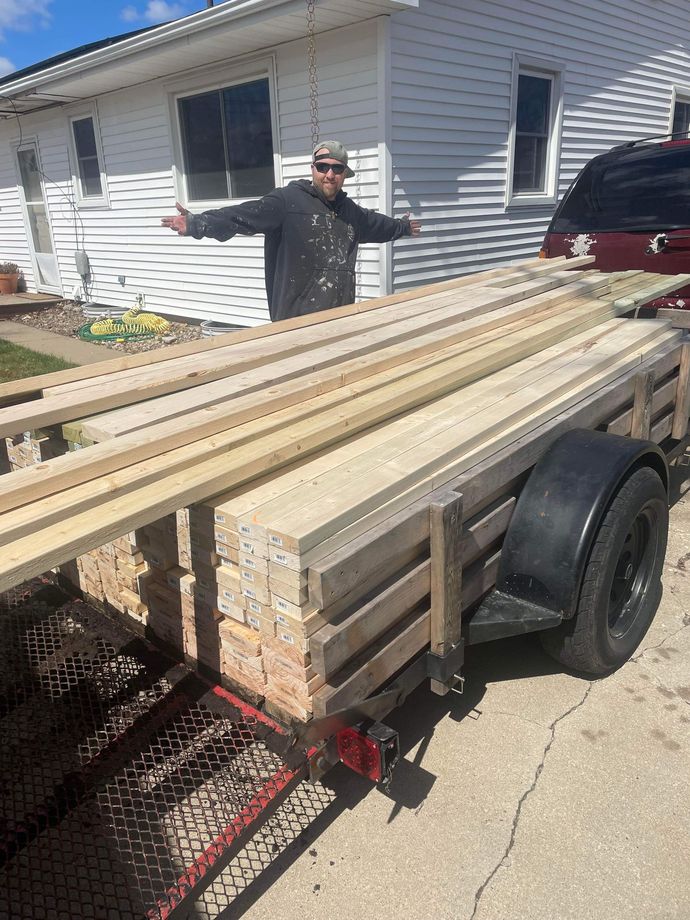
67	317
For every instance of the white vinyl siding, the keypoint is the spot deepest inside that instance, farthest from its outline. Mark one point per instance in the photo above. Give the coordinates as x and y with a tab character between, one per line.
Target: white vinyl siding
450	99
196	279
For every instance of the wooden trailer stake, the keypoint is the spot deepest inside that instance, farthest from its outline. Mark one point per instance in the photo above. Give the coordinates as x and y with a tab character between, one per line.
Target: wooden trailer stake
682	410
680	319
642	407
446	577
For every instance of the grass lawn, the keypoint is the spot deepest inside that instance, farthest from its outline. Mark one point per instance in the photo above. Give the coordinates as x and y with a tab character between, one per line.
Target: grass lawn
17	362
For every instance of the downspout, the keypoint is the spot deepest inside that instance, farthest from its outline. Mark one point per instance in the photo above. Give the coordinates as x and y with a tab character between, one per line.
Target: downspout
384	147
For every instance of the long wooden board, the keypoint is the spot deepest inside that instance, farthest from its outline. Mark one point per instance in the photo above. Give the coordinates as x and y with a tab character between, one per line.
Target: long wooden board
356	680
446	476
311	523
97	461
341	573
310	395
29	387
61	541
432	419
258	350
65	403
39	513
381	660
377	349
336	643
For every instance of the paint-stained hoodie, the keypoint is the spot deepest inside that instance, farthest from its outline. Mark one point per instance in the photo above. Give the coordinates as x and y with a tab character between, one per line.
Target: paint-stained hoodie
310	244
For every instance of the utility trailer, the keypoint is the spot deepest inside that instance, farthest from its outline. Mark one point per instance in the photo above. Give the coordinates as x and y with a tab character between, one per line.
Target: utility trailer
130	781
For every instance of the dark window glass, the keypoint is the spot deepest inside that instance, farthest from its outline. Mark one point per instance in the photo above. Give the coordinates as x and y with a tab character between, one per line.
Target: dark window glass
85	137
250	142
637	190
90	172
204	147
531	134
681	118
228	143
31	177
87	158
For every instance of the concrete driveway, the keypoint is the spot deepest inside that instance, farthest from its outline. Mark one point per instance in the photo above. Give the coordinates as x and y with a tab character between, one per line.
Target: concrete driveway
536	794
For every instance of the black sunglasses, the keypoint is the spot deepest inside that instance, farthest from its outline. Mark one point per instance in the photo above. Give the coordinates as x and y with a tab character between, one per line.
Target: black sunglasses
338	168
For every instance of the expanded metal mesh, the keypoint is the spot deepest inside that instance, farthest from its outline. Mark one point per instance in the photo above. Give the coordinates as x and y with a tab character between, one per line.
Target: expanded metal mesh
115	777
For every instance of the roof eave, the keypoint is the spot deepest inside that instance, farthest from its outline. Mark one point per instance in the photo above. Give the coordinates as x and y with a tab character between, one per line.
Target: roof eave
181	28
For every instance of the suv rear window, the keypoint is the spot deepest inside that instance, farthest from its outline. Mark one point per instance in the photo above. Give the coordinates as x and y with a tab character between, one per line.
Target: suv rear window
635	189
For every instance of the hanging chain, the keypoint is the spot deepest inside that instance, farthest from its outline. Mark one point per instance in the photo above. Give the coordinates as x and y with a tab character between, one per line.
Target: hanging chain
313	77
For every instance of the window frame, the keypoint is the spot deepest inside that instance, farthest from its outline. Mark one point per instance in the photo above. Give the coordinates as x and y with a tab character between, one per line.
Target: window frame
679	93
547	70
215	81
81	200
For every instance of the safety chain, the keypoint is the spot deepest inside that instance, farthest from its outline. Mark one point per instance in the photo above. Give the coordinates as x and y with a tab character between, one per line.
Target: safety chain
313	78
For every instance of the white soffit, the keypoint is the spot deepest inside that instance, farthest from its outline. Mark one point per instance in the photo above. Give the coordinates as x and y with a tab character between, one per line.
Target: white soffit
214	35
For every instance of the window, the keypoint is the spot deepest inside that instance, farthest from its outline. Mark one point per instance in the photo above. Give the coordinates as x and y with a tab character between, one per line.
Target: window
532	125
642	188
89	175
534	135
227	142
681	116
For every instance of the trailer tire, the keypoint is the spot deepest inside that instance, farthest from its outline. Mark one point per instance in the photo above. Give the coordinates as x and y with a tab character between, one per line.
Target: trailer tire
621	588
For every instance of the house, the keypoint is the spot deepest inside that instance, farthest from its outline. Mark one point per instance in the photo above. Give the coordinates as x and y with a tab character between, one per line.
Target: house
474	117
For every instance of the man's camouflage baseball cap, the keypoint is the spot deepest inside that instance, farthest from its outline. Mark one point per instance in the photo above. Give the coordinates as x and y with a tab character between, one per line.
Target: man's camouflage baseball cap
336	151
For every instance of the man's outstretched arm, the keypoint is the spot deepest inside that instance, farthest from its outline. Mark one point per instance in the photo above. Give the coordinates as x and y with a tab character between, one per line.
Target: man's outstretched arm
379	228
222	224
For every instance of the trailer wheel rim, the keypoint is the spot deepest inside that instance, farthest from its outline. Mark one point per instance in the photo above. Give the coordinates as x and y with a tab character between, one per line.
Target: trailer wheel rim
633	571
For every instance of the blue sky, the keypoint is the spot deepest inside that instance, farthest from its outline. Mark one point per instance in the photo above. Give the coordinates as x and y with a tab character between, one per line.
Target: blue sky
33	30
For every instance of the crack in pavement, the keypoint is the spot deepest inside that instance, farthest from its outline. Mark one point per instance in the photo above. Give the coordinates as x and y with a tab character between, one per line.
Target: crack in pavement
651	648
675	593
516	819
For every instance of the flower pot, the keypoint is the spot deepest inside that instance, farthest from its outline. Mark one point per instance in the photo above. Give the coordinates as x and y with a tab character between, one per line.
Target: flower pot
8	283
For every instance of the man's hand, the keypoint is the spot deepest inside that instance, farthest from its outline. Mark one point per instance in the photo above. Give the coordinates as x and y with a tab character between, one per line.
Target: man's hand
178	223
415	225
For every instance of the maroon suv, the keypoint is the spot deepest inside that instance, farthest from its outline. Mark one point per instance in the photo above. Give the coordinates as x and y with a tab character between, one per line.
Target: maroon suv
630	208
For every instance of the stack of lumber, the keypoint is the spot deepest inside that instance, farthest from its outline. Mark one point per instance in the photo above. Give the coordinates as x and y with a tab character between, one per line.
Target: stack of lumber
217	478
31	447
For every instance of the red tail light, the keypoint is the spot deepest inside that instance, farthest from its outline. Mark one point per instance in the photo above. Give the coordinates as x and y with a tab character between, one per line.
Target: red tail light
360	753
373	753
544	251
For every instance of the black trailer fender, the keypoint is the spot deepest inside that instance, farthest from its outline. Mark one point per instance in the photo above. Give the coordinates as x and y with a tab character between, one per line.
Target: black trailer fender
559	510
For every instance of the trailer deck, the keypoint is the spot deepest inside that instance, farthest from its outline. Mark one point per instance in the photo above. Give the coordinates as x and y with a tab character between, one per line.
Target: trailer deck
128	782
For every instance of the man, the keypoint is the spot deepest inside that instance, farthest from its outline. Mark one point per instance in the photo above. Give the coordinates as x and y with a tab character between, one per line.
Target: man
312	231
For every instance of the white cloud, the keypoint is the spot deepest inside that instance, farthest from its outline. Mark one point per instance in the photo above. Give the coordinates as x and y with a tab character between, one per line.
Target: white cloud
24	15
155	11
6	66
159	10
